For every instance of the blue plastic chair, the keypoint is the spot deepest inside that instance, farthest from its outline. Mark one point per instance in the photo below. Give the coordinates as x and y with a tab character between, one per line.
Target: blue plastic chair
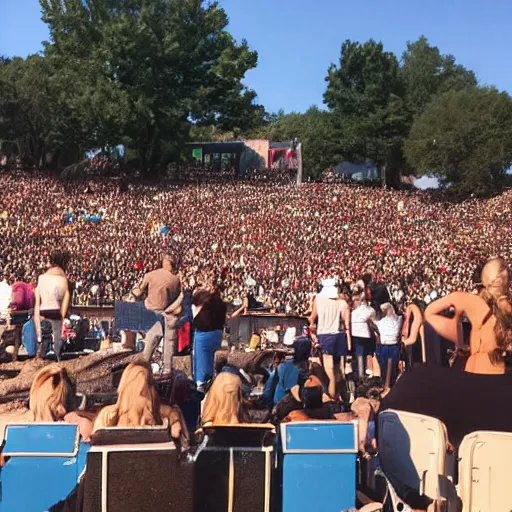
44	463
319	466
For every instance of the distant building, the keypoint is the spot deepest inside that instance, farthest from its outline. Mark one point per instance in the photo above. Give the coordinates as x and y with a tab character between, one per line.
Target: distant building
246	155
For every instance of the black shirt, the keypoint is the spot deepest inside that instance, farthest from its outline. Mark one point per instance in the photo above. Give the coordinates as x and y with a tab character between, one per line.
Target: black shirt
212	316
463	401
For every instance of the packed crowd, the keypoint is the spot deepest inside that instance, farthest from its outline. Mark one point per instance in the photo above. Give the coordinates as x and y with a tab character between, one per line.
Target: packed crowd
278	241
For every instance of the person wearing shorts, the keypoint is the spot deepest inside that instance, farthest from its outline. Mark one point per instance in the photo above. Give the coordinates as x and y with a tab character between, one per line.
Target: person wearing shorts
332	315
364	344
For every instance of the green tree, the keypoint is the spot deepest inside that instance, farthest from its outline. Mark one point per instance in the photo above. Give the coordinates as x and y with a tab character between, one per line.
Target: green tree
25	106
427	73
465	139
153	67
316	132
366	97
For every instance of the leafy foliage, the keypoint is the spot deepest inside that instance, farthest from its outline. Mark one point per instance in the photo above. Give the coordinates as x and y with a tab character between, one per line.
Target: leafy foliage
131	71
465	139
366	97
155	74
426	74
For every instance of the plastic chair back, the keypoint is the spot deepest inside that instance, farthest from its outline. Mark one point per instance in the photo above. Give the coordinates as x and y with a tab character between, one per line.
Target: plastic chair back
484	459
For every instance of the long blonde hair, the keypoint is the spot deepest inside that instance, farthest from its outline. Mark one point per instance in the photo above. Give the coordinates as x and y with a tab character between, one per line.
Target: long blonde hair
502	328
137	401
51	394
224	404
503	319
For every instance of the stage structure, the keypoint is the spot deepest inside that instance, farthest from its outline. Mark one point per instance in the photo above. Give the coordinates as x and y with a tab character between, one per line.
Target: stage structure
247	156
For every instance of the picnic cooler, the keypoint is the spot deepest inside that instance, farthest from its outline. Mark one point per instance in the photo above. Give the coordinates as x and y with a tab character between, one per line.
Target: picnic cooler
319	466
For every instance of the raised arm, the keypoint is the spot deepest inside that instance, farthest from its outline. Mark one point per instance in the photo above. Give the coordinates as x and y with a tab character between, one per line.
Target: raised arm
242	309
414	328
462	303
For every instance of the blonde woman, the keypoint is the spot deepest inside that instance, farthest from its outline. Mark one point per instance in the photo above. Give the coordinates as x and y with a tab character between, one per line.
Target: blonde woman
489	314
224	403
138	405
52	398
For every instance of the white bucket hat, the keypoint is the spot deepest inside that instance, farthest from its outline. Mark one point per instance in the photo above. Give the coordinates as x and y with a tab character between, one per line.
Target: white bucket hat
329	289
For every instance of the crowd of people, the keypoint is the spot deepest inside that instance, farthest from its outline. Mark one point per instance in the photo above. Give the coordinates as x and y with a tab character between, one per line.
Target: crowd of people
321	250
303	388
277	241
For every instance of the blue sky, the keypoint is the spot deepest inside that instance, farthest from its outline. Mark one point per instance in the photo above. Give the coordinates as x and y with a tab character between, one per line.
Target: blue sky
298	39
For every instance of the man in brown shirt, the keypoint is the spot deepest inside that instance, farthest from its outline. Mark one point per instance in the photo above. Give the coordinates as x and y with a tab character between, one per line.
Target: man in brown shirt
163	296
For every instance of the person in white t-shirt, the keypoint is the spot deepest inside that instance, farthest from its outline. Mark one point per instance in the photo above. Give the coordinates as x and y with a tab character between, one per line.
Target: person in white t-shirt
332	314
5	302
364	346
388	349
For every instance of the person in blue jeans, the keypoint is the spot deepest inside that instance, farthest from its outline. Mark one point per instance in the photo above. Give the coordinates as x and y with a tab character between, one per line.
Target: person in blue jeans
388	348
209	311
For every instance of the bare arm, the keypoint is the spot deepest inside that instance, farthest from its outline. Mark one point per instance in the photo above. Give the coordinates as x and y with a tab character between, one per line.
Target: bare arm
462	303
65	304
415	327
423	350
37	312
314	315
241	309
139	290
347	320
407	320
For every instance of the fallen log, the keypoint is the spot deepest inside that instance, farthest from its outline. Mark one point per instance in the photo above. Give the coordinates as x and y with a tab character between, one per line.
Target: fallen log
250	362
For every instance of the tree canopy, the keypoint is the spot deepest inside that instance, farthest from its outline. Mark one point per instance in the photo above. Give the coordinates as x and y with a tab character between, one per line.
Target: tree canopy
465	139
133	72
154	74
365	94
426	73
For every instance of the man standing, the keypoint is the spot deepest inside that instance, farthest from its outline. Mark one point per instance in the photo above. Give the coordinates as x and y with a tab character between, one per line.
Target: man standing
332	314
163	296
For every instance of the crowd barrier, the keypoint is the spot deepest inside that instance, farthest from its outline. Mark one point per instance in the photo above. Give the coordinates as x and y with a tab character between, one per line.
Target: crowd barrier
133	316
242	327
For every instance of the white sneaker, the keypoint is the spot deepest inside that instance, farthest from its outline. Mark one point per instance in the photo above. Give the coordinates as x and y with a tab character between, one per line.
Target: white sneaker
22	351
